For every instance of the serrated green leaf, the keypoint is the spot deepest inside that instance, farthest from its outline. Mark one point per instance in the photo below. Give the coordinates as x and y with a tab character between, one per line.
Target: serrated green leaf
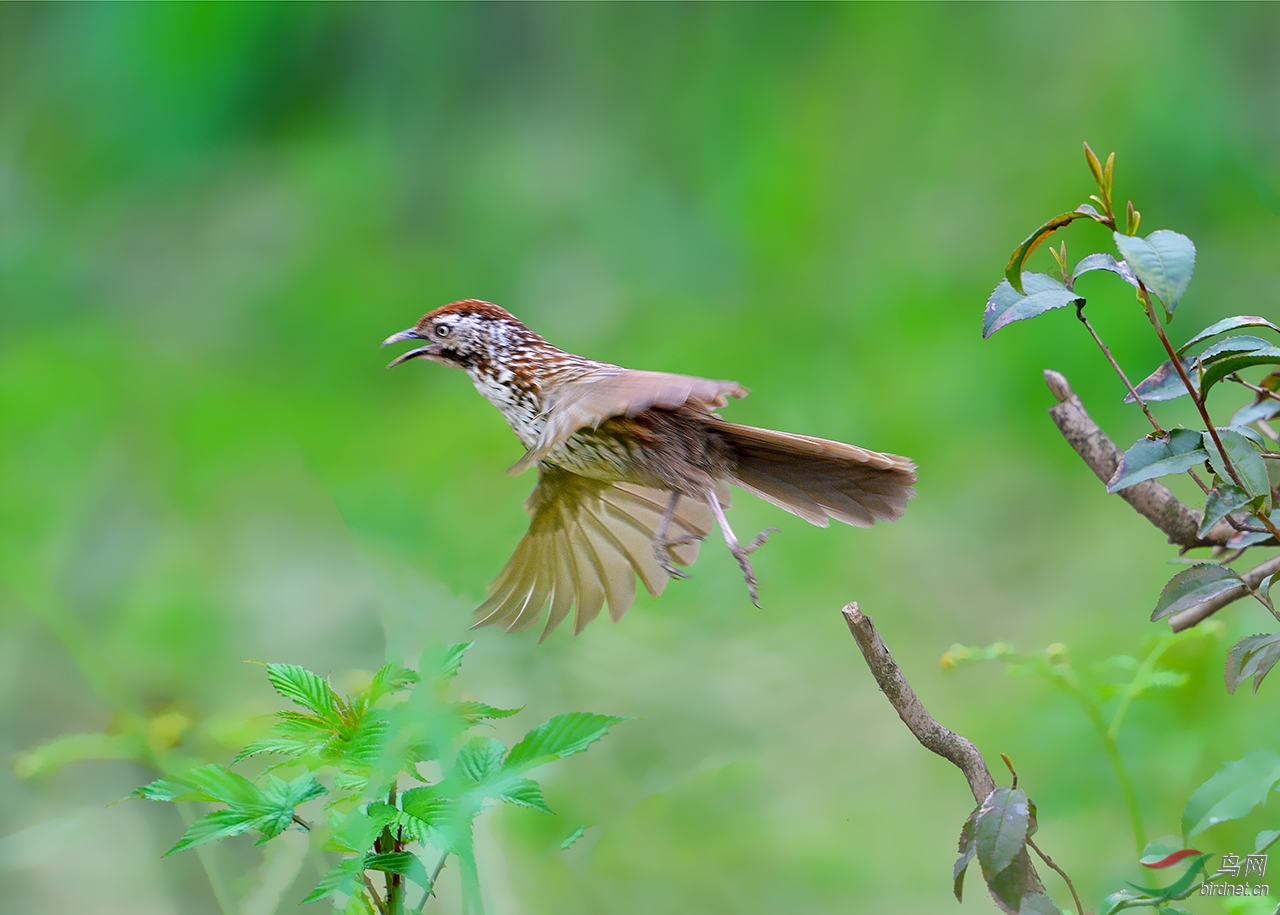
307	689
390	678
1006	305
573	837
479	758
1248	463
220	824
210	783
1254	656
429	804
475	712
563	735
290	794
1000	830
399	862
341	879
355	834
52	755
283	746
522	791
441	663
1233	792
1147	459
1224	499
1226	324
1194	584
1163	261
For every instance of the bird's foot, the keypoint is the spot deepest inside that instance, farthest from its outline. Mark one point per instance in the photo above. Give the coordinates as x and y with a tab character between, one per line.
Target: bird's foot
662	552
741	553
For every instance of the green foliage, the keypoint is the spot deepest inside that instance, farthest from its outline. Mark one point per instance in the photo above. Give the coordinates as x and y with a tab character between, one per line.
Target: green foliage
363	745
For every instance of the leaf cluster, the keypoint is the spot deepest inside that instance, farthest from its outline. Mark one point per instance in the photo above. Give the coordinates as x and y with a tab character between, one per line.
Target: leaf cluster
355	751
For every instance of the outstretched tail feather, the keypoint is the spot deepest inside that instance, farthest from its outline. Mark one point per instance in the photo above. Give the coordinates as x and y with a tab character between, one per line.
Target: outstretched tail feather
818	479
586	544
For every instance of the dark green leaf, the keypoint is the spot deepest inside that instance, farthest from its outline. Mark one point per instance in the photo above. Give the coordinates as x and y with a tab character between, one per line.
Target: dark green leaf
1166	384
308	689
1104	262
1194	584
1000	831
1147	459
562	736
399	862
573	837
1260	409
1221	368
1233	792
479	758
1250	467
1006	305
1223	499
1179	886
968	848
1038	904
1013	272
1253	656
1163	261
342	879
1226	324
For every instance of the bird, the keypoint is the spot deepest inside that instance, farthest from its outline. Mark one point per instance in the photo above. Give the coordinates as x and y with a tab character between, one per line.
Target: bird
634	469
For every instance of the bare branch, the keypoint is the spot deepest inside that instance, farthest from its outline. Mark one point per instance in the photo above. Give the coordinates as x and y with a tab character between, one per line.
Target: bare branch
1153	500
951	746
1202	611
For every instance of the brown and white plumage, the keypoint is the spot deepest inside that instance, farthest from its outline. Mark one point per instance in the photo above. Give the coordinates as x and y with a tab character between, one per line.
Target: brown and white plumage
634	468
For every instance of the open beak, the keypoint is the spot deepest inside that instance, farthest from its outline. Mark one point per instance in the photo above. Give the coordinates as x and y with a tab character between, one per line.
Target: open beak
427	351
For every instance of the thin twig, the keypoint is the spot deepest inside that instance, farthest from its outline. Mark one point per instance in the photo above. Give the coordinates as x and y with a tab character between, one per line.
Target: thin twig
1133	392
1061	873
431	888
1265	392
377	900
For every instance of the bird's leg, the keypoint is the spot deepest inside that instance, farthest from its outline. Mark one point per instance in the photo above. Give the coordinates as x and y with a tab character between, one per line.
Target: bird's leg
739	551
662	546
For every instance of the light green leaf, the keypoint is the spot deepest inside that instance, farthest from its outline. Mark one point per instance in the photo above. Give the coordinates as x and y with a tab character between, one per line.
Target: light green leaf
522	791
399	862
1120	900
307	689
1038	904
341	879
562	736
390	678
205	783
219	824
1265	840
1195	584
1233	792
479	758
1163	261
573	837
1147	459
283	746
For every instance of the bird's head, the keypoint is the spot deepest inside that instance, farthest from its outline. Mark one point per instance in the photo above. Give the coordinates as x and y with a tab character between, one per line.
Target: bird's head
467	335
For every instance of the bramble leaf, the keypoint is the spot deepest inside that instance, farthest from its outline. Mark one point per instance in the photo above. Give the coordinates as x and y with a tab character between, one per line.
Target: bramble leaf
1232	792
1195	584
341	879
1163	261
308	689
1006	305
1147	458
480	758
563	735
573	837
399	862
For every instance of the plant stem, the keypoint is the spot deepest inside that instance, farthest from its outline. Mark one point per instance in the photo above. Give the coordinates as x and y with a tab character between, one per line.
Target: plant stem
1204	413
1119	371
1253	387
373	893
431	890
1061	873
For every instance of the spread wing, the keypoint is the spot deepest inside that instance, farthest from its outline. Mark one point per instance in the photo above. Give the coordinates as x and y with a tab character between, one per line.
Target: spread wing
587	541
590	401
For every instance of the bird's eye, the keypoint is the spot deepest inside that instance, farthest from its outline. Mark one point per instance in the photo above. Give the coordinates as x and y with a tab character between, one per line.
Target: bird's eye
442	330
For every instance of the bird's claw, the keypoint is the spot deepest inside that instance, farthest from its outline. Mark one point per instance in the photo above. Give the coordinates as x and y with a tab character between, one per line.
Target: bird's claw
662	553
740	553
760	539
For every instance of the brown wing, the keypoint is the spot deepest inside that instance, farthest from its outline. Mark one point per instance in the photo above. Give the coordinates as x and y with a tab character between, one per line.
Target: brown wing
590	401
586	542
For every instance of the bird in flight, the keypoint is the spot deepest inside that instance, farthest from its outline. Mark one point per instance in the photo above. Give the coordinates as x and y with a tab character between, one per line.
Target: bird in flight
634	468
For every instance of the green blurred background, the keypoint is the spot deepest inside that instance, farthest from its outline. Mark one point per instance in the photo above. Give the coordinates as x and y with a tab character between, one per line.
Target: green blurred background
211	215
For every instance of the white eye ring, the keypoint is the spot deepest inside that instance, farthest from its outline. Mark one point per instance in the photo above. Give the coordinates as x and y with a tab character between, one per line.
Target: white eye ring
442	330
